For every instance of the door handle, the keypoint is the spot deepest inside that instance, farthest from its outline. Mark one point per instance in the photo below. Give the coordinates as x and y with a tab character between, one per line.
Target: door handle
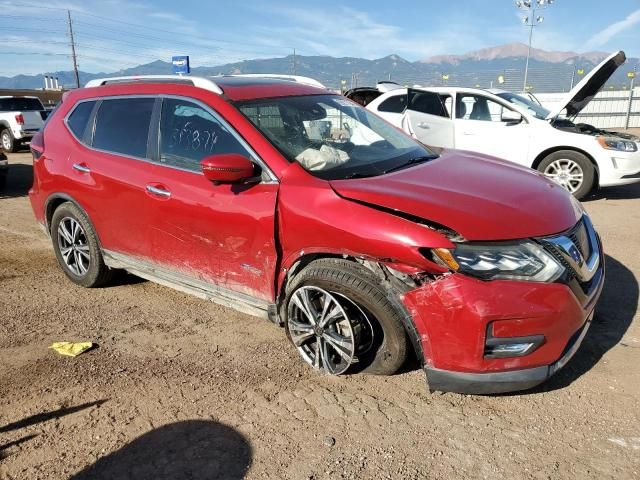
158	191
424	125
468	133
81	167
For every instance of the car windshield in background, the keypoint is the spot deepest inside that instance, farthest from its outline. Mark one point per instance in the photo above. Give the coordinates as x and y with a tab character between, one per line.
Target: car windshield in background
530	106
16	104
332	137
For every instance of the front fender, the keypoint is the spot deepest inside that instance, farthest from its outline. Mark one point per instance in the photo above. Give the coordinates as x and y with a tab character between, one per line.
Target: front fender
313	219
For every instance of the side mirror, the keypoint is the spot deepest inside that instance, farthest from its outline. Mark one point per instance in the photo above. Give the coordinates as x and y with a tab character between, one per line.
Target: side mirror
227	168
509	116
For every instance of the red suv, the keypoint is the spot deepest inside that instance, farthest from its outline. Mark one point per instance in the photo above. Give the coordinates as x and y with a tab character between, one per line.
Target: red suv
283	199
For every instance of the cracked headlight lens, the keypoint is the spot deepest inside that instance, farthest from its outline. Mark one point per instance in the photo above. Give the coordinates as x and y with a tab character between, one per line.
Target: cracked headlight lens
501	261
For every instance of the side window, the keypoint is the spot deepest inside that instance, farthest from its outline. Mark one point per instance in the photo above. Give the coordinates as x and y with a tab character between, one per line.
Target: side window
77	121
189	133
477	107
429	103
395	104
122	126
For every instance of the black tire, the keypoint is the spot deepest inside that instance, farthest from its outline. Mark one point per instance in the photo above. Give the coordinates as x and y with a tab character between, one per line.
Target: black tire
389	348
3	180
7	142
97	273
588	169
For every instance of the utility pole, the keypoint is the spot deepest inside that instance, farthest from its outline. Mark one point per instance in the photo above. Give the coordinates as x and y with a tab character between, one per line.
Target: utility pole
294	62
73	50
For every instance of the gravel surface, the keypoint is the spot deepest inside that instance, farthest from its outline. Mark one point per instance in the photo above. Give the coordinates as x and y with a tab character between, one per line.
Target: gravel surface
182	388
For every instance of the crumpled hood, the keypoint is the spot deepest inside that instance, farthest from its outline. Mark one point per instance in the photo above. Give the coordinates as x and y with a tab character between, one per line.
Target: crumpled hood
480	197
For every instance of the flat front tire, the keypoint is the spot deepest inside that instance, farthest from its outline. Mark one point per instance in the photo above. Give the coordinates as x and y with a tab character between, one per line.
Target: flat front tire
77	249
341	320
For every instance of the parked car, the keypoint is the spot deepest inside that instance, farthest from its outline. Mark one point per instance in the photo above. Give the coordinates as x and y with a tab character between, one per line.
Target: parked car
4	170
360	241
20	119
515	127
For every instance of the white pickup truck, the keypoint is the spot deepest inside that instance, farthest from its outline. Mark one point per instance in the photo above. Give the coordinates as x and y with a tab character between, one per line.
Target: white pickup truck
20	119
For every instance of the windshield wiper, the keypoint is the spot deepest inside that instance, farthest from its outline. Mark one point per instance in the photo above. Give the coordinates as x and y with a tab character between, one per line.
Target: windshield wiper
408	163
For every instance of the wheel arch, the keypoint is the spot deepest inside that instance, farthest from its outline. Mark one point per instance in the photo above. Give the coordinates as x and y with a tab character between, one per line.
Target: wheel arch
542	155
54	201
361	262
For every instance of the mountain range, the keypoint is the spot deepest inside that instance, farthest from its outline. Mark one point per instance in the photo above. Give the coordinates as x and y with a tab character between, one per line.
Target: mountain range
548	71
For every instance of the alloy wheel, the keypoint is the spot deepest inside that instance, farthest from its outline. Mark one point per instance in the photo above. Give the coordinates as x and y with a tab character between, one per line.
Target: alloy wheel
73	245
6	141
328	330
566	173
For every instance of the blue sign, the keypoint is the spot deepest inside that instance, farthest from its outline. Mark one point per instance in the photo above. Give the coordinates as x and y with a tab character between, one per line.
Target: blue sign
180	64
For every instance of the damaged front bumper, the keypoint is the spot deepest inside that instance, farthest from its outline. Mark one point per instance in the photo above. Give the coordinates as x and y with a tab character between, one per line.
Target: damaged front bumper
501	382
459	318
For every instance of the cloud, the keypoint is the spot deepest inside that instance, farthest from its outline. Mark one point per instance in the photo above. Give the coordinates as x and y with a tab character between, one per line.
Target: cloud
603	37
345	31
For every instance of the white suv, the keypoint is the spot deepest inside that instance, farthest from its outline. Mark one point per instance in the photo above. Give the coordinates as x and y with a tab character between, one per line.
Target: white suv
502	124
20	119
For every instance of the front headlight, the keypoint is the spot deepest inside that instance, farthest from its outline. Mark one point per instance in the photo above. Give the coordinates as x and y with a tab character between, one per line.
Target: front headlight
613	143
501	261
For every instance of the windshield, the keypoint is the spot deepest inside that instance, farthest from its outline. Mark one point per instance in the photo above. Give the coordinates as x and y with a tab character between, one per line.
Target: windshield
19	104
332	137
530	106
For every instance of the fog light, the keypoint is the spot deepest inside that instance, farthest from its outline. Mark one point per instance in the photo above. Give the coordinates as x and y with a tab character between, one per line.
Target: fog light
508	349
505	347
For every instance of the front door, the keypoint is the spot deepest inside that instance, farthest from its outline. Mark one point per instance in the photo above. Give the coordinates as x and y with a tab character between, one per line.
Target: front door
479	128
220	234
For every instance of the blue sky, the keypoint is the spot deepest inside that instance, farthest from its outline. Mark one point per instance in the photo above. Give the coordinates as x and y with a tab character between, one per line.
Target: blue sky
115	34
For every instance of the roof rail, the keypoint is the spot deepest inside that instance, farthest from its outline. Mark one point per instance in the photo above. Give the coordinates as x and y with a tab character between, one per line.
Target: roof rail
292	78
199	82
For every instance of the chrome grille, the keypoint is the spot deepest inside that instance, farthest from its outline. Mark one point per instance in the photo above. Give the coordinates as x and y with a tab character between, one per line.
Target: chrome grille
576	249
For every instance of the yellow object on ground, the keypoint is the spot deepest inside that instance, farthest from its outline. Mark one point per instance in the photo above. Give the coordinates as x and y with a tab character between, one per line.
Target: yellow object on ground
71	349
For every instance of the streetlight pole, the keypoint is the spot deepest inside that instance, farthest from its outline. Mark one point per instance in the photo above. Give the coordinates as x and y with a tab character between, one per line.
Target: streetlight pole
531	20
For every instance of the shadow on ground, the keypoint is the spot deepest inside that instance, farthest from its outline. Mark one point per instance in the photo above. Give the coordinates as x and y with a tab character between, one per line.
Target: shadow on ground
193	449
614	313
623	192
18	182
39	418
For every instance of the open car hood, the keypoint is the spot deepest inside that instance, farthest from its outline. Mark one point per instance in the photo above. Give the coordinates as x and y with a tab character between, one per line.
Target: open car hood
589	86
479	197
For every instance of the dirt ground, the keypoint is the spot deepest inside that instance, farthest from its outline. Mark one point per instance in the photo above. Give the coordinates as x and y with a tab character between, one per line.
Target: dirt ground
182	388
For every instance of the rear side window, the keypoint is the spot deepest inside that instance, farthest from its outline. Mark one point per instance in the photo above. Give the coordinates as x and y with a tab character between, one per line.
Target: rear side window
189	133
395	104
79	118
429	103
122	126
14	104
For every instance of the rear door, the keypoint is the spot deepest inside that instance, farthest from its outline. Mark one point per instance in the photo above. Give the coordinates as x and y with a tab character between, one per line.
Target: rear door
428	118
110	169
220	234
479	128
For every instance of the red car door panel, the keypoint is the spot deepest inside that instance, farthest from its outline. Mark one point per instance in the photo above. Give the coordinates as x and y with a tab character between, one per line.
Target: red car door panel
221	234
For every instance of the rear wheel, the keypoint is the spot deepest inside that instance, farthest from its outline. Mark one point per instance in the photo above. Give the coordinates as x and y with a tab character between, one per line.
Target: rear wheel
572	170
341	321
76	247
9	143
